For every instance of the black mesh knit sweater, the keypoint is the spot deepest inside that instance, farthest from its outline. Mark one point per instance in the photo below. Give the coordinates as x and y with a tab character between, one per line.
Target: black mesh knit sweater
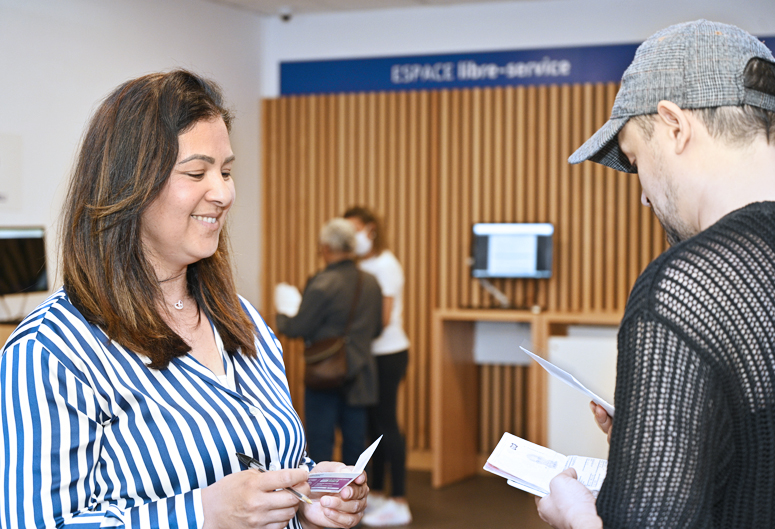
693	441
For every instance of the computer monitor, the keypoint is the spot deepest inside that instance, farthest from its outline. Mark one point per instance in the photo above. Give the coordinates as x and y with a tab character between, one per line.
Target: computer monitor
22	261
511	249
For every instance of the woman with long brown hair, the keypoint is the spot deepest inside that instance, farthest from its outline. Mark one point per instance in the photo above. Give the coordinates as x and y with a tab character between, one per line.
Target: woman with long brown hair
127	395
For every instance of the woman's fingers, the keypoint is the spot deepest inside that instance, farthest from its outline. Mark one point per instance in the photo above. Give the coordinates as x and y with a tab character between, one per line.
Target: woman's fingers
252	499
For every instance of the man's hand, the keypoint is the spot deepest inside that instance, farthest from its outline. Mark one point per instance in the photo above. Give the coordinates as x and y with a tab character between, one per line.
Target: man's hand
604	421
569	504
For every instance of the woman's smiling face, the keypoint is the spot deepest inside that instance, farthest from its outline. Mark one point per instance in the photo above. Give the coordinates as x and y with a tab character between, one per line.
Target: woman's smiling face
182	225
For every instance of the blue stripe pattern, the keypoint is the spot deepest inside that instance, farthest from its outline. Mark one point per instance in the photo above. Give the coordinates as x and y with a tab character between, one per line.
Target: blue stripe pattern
91	437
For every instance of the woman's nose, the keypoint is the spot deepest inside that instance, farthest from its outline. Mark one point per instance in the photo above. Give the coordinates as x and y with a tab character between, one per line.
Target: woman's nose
221	190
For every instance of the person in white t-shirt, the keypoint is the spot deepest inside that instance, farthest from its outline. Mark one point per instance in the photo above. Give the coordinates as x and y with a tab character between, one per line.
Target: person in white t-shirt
391	350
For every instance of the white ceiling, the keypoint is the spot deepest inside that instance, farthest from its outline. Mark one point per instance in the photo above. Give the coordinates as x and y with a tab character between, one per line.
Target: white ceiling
290	7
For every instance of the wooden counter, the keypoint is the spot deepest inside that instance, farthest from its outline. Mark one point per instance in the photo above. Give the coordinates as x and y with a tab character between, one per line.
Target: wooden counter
455	385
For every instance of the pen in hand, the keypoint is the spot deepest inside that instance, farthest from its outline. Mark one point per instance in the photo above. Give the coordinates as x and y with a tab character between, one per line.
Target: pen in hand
254	463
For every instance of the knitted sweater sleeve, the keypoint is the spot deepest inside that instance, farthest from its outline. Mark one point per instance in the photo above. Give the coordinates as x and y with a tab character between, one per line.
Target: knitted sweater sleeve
666	432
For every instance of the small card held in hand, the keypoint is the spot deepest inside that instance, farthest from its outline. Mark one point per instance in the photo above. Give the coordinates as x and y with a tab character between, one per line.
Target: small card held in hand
333	482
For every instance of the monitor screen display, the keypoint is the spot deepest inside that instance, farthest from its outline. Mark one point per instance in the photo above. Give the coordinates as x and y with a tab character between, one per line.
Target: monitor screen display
22	261
512	250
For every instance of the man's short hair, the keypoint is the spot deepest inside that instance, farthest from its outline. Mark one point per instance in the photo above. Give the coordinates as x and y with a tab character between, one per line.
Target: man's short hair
700	66
339	235
733	124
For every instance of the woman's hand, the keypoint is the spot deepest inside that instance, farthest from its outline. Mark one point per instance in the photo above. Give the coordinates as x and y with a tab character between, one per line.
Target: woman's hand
344	509
604	421
569	504
252	499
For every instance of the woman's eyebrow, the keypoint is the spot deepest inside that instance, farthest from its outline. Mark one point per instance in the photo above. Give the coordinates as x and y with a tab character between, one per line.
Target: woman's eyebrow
208	159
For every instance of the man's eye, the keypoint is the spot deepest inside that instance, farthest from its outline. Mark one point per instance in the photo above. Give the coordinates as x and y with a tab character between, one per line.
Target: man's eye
226	174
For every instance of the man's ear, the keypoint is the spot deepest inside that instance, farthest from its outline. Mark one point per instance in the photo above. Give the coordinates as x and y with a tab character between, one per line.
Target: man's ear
679	127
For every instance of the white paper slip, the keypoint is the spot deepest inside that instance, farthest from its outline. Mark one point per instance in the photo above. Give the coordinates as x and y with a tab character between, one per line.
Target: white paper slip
531	467
570	380
333	482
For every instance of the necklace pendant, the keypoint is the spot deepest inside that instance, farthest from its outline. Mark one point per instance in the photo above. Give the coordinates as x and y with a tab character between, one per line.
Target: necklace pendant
179	304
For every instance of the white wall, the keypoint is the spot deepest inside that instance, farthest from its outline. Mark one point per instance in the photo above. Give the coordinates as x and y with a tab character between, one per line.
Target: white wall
59	58
492	26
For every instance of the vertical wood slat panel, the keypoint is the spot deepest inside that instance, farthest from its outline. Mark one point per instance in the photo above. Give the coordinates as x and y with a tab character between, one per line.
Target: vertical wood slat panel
465	147
575	226
485	406
586	209
542	179
530	197
429	302
407	209
563	264
432	164
554	155
520	175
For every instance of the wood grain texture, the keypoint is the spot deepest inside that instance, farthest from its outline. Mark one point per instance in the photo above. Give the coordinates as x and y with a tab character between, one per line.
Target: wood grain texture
432	163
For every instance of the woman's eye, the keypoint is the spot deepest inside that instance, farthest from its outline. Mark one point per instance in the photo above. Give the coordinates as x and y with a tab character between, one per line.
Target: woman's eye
198	176
226	174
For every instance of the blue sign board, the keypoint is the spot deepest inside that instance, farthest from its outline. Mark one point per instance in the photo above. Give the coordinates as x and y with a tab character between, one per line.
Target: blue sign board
590	64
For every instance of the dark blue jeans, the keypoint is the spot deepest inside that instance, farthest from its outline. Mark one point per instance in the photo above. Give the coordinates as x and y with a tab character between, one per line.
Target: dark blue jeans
323	412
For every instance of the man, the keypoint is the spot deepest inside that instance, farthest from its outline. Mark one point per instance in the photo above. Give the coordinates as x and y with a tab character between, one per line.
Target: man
693	441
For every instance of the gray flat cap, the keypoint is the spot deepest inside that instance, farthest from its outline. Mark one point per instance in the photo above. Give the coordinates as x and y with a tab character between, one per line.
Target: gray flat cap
696	64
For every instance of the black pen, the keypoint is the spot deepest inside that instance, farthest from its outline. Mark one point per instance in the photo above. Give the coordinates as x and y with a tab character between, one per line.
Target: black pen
254	463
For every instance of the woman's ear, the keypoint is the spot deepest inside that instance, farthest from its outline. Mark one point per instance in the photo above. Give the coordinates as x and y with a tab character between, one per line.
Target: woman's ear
679	127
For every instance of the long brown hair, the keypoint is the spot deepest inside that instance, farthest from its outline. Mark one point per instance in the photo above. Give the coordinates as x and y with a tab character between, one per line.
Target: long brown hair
127	155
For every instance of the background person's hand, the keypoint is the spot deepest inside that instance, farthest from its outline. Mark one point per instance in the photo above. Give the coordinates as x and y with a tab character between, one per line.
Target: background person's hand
604	421
287	299
344	509
251	499
569	504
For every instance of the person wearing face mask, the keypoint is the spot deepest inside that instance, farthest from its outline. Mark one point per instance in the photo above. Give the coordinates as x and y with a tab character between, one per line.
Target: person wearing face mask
126	396
337	301
391	350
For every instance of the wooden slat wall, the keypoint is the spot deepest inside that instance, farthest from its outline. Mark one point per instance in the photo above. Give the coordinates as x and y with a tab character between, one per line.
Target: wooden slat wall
433	163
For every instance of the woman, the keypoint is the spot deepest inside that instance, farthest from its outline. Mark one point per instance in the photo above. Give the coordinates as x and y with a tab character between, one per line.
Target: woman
391	350
125	397
333	305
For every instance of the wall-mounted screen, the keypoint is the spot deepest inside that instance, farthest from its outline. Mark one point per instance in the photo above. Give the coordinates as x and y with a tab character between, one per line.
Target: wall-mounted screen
503	249
22	261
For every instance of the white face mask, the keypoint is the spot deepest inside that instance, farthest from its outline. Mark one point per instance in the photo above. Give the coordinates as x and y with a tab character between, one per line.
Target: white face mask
363	243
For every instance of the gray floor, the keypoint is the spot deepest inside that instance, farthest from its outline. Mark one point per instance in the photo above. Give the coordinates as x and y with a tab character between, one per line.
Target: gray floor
480	502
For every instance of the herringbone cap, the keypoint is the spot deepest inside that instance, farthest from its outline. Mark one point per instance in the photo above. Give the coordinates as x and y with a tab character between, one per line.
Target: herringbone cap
696	64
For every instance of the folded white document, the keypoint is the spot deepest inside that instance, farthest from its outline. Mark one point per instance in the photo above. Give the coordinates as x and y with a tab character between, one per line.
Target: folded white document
333	482
530	467
570	380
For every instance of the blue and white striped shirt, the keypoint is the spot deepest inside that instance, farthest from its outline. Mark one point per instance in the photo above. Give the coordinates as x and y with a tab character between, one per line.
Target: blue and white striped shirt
92	437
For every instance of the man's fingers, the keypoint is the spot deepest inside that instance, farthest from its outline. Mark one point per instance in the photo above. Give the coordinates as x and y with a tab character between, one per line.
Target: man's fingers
604	421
